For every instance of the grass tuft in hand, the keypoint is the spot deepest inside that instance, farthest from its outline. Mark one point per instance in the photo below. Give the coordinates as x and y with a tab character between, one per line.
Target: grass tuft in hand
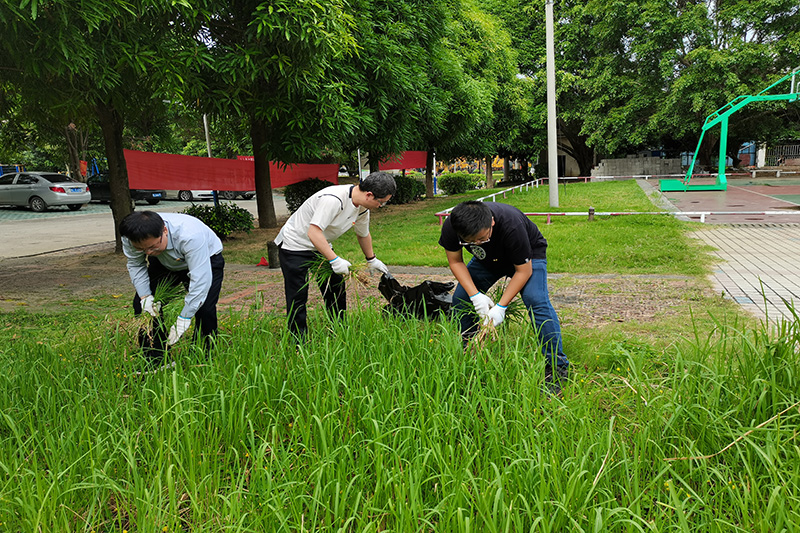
515	312
321	271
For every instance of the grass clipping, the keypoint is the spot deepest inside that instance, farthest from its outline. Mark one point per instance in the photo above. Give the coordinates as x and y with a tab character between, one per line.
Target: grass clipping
145	324
515	312
321	272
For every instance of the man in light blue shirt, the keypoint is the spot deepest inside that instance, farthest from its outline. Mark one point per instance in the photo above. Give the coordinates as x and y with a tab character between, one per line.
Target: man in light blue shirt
176	249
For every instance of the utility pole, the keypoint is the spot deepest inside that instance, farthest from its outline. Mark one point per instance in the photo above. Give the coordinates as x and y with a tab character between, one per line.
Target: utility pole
552	142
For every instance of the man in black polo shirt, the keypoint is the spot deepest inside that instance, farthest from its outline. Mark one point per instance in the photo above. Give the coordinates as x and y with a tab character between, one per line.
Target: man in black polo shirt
504	243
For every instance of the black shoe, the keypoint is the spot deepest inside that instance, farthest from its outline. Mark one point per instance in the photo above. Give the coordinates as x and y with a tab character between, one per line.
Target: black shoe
553	383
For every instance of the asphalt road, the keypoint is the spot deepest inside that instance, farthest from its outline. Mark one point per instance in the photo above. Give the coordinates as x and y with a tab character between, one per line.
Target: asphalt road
25	233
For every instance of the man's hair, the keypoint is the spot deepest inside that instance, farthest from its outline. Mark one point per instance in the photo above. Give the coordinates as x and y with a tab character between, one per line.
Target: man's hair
470	218
380	184
141	225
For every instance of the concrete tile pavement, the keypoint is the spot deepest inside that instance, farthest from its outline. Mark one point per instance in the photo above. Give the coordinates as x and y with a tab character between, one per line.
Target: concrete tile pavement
758	266
758	255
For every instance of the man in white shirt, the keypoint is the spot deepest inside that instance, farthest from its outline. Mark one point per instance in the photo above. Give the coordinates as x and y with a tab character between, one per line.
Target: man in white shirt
323	218
176	249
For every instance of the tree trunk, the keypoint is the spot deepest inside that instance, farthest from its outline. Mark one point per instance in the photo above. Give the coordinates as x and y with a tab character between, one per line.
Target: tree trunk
429	174
112	124
734	143
264	203
708	149
373	161
506	165
73	141
489	173
577	148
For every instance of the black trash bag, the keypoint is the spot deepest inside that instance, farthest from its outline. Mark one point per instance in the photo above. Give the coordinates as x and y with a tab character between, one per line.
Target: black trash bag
428	299
154	342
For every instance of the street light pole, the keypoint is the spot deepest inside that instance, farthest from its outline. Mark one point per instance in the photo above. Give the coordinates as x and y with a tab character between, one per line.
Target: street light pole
552	143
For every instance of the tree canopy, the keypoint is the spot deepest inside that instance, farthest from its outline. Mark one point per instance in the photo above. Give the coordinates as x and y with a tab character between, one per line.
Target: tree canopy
298	80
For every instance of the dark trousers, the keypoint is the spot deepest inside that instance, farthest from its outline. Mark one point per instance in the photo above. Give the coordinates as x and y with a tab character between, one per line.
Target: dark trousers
295	267
206	316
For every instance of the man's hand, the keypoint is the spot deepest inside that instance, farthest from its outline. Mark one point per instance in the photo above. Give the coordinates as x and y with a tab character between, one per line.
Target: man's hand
149	305
176	331
496	315
482	304
340	266
377	264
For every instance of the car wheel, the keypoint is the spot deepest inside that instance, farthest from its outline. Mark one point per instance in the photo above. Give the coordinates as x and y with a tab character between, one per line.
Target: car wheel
185	196
37	204
152	201
229	195
248	196
74	207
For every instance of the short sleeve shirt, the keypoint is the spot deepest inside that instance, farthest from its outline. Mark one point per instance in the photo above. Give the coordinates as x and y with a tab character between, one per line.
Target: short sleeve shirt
515	240
332	210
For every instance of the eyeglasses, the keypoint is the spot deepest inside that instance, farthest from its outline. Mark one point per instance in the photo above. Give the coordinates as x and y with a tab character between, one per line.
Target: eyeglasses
381	204
477	242
152	249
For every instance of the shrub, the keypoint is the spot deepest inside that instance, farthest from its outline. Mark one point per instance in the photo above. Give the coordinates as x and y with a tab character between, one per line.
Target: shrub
459	182
409	189
223	219
299	192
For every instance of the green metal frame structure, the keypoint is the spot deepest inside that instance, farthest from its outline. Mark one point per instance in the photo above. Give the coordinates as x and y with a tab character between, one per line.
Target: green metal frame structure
720	116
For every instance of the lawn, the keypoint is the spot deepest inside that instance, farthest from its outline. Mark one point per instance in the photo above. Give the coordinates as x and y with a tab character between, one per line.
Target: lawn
380	423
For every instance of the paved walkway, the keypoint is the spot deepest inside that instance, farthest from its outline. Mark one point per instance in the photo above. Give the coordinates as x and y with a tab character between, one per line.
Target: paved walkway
759	267
759	254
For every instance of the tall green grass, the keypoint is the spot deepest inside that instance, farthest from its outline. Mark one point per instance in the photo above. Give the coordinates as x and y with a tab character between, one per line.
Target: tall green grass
377	423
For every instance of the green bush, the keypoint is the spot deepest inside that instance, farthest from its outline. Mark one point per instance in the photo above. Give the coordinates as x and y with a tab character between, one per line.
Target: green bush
299	192
223	219
460	182
409	189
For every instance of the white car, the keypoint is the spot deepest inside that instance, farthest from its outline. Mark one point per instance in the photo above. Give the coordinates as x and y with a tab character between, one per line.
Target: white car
40	190
189	196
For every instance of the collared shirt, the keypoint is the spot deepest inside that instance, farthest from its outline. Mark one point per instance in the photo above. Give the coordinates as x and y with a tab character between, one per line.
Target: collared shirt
190	245
332	210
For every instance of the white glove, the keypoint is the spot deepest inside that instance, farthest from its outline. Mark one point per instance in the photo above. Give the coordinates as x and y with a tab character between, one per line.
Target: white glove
482	304
176	331
496	315
149	305
377	264
340	266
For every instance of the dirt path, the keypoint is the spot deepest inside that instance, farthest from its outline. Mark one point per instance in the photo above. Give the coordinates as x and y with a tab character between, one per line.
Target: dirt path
46	283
